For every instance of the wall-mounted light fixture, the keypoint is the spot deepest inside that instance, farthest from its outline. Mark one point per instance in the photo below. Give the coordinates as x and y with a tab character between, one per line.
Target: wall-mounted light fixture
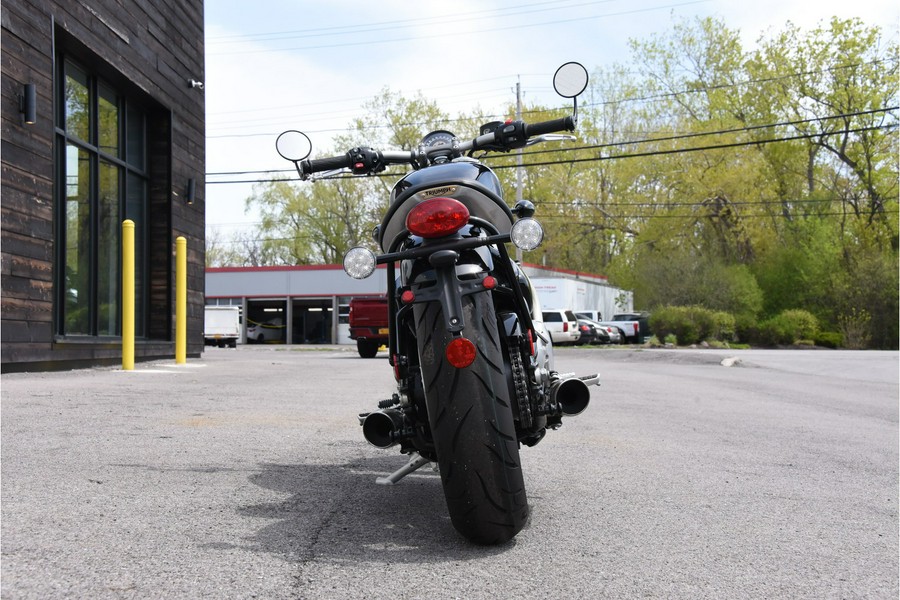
191	190
197	85
28	104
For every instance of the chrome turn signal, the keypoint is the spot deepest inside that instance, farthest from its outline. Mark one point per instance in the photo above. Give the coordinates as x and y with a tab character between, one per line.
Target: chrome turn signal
359	262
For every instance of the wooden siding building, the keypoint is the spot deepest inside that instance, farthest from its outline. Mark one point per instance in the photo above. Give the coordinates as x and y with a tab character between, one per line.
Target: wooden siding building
102	120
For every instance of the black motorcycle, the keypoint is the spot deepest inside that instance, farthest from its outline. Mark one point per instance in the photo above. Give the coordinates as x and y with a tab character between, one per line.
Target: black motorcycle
472	360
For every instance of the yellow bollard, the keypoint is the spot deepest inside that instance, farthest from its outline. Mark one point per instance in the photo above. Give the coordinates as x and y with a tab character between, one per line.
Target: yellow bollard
128	295
180	300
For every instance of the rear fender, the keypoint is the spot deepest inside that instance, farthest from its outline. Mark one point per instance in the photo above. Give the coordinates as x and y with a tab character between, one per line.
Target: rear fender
447	282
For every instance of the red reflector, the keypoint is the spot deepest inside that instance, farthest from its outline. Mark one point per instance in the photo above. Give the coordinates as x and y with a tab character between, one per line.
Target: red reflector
407	297
460	352
530	342
396	367
489	282
437	217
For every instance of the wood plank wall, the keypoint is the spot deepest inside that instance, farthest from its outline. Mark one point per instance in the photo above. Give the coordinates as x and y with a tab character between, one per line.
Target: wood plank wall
153	47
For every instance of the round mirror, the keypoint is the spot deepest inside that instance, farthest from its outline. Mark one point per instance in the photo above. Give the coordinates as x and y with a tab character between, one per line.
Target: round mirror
293	145
570	80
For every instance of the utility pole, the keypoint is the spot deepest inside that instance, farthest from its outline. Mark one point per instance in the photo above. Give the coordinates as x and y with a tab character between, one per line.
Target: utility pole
518	154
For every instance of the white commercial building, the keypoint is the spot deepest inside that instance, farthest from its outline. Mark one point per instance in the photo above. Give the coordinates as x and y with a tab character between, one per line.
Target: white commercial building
309	304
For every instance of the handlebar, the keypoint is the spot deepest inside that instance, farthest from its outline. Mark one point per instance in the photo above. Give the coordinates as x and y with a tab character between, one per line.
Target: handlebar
366	161
564	124
308	167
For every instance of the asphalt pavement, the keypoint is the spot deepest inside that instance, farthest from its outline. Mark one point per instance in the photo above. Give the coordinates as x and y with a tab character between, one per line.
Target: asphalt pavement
244	474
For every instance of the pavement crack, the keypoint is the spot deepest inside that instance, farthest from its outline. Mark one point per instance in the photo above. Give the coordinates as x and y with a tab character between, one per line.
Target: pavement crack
308	554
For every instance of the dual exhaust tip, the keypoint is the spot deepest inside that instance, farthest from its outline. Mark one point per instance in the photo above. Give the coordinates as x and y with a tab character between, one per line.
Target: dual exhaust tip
382	428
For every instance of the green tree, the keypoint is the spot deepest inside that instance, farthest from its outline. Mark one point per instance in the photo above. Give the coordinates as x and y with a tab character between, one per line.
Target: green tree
312	224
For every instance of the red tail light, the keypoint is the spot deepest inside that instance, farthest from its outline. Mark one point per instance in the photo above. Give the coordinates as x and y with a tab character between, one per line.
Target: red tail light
437	217
565	326
460	352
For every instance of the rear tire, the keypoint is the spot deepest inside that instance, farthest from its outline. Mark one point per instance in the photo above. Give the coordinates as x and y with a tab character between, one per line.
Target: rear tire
472	425
367	348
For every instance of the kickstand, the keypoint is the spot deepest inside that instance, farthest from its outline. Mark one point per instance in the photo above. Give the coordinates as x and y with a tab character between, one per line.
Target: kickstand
416	461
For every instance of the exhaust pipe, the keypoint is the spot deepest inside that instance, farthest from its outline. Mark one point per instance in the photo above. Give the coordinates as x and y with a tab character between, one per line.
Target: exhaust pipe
572	395
381	428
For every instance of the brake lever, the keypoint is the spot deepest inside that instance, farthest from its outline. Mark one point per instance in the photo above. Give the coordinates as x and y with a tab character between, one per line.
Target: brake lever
550	137
324	175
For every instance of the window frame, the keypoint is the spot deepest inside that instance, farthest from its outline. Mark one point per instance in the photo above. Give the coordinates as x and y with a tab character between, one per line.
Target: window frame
128	175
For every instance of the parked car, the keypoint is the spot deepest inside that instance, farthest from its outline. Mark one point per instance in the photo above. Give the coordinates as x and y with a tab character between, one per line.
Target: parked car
269	331
606	334
562	325
592	332
587	333
615	335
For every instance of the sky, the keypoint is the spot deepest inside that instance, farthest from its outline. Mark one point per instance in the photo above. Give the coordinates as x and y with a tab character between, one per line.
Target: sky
310	65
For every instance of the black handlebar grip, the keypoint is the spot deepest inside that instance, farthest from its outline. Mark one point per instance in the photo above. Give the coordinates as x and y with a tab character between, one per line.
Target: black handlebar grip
327	164
564	124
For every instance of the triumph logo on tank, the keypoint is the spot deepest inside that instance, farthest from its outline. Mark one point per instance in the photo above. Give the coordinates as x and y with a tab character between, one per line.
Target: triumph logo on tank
448	190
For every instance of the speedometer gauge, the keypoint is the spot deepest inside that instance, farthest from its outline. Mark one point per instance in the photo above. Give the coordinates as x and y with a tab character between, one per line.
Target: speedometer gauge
438	138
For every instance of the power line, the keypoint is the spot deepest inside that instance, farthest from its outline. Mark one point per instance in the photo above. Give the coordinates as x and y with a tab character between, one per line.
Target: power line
456	34
630	155
696	149
779	202
684	136
552	218
634	142
394	24
567	220
649	205
602	103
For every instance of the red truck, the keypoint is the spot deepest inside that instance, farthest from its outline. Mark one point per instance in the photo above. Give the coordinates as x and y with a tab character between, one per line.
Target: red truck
369	324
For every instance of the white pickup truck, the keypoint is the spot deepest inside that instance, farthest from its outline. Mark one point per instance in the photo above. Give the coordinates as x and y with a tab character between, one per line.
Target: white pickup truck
635	327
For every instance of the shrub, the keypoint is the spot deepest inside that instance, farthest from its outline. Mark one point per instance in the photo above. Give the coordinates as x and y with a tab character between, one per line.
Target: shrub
692	324
788	327
829	339
724	326
801	323
855	328
746	328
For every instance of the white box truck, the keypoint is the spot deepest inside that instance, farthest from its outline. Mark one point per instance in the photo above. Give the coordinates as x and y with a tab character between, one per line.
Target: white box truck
221	326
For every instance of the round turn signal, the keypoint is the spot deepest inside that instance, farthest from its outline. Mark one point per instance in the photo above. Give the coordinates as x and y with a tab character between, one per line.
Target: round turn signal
359	262
527	234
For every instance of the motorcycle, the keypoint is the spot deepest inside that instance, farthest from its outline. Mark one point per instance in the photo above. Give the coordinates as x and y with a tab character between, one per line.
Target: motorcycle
472	361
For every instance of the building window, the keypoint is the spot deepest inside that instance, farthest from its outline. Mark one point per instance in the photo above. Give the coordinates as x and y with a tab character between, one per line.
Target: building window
102	180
